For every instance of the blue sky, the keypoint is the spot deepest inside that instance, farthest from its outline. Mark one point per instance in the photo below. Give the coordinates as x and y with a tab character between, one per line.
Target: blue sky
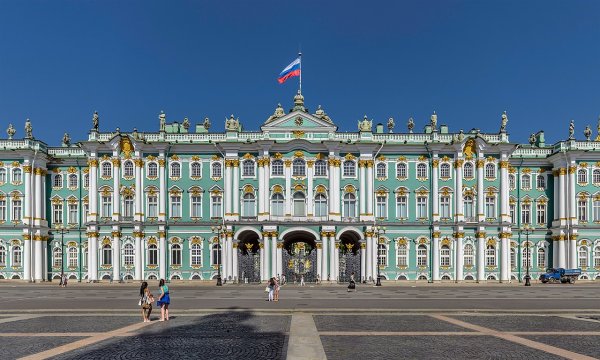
467	60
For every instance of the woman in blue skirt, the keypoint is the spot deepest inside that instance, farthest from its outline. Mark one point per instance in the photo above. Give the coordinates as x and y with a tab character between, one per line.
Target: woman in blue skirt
163	300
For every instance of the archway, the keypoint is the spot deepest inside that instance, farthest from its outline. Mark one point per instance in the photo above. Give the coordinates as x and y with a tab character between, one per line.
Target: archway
248	256
349	256
299	256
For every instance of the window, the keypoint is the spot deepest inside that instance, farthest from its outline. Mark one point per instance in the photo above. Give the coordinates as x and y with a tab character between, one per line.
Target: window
422	255
216	206
216	170
58	181
596	176
583	257
582	176
381	170
320	205
381	208
381	255
596	208
511	210
152	206
402	256
84	260
16	210
527	257
511	181
582	210
72	181
2	210
86	180
490	207
597	256
128	169
17	256
106	202
541	182
152	170
128	255
490	171
490	256
56	257
445	256
248	205
422	207
469	255
349	168
248	168
526	214
298	167
445	207
175	170
402	207
73	257
196	255
196	203
216	254
86	211
299	204
320	168
445	171
152	255
526	182
468	170
401	170
541	214
541	258
57	213
468	208
2	255
17	176
349	205
421	171
277	168
107	255
2	175
196	170
106	170
128	207
176	206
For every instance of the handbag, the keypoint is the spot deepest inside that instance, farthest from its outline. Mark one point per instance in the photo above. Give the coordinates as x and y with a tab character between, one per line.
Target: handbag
140	302
267	289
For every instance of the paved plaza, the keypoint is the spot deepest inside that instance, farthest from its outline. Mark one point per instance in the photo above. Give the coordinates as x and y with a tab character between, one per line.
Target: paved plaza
314	322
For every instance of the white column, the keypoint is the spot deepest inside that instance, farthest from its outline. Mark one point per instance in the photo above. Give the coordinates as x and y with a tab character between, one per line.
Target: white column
116	185
138	255
235	275
267	192
288	188
458	199
459	257
363	188
230	272
39	214
262	188
435	196
93	256
324	246
480	256
264	256
336	261
436	256
561	252
162	201
27	238
505	259
274	257
363	265
572	210
228	191
139	190
370	188
555	179
333	274
162	256
480	191
375	256
332	189
573	254
116	254
93	192
504	198
369	250
27	214
561	195
279	259
236	188
319	261
309	194
39	260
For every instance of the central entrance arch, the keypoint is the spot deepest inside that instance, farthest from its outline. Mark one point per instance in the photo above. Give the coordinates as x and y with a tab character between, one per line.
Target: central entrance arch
300	256
248	257
349	256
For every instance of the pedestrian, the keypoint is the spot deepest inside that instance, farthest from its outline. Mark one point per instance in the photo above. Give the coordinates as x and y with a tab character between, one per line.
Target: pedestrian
271	289
163	300
61	281
352	284
64	281
302	280
276	297
146	300
283	279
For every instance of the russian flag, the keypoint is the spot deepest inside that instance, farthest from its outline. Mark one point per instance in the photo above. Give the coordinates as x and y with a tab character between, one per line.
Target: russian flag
291	70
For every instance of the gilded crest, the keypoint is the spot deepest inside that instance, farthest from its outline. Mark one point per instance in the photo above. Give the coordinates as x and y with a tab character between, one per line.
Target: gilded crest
126	146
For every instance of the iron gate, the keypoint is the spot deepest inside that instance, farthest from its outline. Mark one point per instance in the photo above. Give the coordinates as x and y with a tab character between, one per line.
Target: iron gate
300	260
349	263
248	266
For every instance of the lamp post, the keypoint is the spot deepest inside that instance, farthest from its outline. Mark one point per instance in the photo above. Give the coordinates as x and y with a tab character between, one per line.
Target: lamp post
60	228
218	230
377	231
527	229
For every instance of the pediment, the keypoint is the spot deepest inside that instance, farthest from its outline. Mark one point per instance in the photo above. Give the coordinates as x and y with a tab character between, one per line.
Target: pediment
298	120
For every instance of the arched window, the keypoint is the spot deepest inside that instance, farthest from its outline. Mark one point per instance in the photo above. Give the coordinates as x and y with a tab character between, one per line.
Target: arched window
381	170
196	255
2	255
527	257
513	258
511	181
176	255
445	171
381	255
421	171
277	204
320	205
349	205
583	257
106	169
86	180
72	181
299	204
526	182
541	258
73	257
58	181
445	255
152	170
349	168
597	256
17	176
490	256
107	254
469	255
17	257
596	176
541	182
402	256
216	254
2	175
298	167
128	207
175	170
490	171
216	170
401	170
582	176
248	168
320	168
152	255
468	170
468	208
248	208
277	167
422	255
196	170
128	168
128	255
57	257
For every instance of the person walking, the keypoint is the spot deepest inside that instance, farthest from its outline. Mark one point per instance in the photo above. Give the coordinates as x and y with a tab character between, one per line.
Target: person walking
352	284
163	300
64	280
271	289
302	280
276	297
146	301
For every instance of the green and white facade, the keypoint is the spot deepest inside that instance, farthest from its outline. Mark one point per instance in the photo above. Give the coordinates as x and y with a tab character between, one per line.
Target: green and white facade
431	205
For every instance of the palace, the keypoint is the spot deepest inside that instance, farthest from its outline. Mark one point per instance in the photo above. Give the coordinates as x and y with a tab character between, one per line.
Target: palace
300	199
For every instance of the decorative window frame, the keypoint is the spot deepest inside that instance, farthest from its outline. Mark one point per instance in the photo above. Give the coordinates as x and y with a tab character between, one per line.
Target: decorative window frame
486	166
473	170
445	163
147	170
212	173
123	169
56	174
402	191
398	176
16	166
112	171
175	162
196	240
420	178
195	160
385	169
195	191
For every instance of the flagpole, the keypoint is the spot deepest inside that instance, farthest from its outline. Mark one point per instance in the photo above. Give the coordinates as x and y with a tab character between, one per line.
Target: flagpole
300	57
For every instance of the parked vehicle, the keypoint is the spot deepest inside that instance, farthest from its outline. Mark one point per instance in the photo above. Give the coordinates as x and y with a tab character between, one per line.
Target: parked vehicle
563	275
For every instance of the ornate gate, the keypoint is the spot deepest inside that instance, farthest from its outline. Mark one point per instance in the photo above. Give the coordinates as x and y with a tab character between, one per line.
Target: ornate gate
248	263
349	262
300	259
